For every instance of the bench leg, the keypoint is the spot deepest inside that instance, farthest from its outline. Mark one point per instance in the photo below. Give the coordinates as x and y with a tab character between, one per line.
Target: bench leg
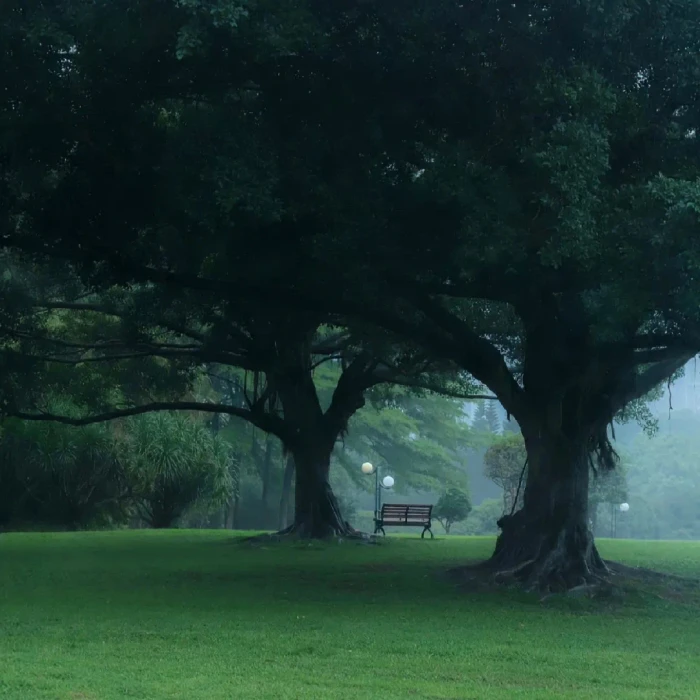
427	529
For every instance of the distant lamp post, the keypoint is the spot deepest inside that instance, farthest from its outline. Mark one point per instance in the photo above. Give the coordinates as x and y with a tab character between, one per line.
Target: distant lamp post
386	483
622	508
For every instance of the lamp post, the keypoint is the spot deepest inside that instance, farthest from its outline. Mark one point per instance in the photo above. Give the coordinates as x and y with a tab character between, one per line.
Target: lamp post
386	483
622	508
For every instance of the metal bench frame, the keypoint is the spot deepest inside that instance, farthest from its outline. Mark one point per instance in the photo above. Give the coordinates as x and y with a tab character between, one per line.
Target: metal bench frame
404	515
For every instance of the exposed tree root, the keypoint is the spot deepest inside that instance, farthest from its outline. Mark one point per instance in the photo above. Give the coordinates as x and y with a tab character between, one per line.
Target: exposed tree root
614	585
536	559
301	532
317	516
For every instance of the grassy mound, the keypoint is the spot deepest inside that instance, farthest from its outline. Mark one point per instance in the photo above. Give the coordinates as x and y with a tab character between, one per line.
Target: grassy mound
198	616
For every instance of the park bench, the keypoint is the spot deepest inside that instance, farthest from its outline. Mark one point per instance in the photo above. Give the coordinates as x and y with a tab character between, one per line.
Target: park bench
403	515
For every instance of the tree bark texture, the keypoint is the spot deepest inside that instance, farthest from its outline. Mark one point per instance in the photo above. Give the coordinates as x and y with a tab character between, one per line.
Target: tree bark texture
316	511
548	544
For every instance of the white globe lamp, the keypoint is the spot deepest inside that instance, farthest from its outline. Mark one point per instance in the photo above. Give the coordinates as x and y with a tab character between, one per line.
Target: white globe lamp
624	507
368	468
388	482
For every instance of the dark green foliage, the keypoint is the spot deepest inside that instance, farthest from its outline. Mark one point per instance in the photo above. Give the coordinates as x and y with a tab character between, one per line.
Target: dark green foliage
533	198
58	476
510	188
453	506
61	477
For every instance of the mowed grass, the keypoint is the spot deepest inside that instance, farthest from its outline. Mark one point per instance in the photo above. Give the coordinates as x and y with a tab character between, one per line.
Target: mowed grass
199	616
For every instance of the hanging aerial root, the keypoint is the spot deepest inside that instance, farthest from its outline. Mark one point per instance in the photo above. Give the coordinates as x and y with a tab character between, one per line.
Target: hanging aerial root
516	573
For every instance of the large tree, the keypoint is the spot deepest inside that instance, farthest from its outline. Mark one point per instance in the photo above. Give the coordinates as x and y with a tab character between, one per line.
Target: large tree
547	240
192	181
261	366
512	187
572	287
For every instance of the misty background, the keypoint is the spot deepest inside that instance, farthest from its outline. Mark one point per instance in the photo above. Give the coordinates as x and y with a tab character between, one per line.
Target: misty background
657	475
659	464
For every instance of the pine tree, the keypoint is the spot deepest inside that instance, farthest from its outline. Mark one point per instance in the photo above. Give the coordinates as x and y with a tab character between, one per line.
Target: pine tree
480	424
492	417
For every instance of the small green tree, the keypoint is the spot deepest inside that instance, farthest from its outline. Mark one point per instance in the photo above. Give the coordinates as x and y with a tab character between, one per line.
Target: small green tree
503	463
452	507
174	463
480	423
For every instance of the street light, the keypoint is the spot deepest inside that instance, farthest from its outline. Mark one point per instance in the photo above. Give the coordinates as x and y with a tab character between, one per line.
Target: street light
386	483
622	508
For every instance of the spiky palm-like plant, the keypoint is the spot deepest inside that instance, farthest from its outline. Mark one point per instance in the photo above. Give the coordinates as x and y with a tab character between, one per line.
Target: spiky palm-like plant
174	463
61	476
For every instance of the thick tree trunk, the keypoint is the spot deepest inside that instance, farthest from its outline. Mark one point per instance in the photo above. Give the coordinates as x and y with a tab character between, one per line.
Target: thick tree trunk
548	544
312	433
316	511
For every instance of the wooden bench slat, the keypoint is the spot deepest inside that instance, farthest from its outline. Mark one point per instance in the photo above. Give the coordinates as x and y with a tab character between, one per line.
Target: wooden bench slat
405	515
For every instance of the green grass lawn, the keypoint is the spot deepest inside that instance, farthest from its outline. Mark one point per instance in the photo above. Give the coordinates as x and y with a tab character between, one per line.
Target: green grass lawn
197	616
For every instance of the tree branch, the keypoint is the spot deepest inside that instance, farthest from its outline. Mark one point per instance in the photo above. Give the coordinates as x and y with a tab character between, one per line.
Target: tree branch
202	355
657	355
349	394
265	421
468	349
333	344
477	355
416	383
638	385
112	311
